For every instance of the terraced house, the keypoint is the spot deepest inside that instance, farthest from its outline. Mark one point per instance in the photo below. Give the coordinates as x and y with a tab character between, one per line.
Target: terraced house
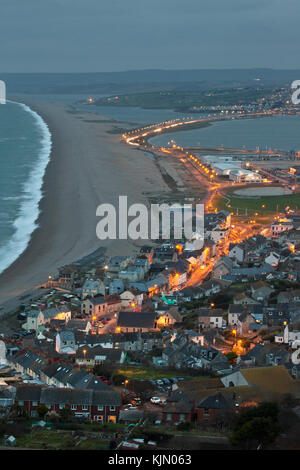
93	405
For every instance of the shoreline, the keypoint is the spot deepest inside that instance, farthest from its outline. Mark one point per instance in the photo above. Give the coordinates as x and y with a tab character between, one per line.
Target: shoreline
87	167
29	209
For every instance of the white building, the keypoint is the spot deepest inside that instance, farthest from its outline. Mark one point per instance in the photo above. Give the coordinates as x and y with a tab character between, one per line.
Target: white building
244	176
272	259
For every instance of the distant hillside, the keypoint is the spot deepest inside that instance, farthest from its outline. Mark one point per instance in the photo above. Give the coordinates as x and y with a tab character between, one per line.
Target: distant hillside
142	80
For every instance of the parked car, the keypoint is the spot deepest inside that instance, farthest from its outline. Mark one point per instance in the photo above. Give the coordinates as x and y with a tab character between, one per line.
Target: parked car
155	400
136	402
163	402
129	407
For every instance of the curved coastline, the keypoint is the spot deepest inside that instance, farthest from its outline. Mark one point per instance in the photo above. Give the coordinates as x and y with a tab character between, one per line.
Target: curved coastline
26	222
88	166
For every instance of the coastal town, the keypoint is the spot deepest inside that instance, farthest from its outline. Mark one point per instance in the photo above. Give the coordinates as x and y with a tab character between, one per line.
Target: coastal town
168	342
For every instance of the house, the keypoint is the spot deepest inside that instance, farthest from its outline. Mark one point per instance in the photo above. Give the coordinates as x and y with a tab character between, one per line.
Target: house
189	293
265	355
136	321
261	291
237	252
278	315
67	275
292	338
148	252
33	320
165	253
78	324
243	299
99	406
272	379
169	318
131	274
216	406
288	296
243	323
38	318
26	362
281	225
131	298
118	263
142	263
210	318
223	267
256	310
177	273
181	353
116	286
99	306
234	311
272	259
87	356
27	398
219	234
55	313
65	342
91	288
180	412
211	287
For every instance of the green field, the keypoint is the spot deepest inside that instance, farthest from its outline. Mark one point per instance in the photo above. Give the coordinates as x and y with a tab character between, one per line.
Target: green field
249	206
151	373
59	440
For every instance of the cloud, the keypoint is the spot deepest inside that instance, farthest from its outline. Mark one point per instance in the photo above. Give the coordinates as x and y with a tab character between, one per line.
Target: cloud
93	35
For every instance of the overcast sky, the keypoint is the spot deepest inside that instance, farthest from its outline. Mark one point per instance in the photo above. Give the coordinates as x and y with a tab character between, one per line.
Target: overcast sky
113	35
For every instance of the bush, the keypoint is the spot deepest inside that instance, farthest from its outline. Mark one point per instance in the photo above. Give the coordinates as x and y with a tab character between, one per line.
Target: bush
42	410
186	426
118	379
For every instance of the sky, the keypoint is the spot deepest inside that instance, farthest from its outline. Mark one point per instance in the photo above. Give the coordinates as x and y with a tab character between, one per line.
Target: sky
118	35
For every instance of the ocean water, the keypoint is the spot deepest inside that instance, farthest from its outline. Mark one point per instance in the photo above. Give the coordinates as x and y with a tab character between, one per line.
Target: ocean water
25	147
276	132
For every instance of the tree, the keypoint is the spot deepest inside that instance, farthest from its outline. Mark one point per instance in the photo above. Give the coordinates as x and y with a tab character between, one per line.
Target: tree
118	379
231	356
65	415
102	370
184	426
257	426
257	431
42	410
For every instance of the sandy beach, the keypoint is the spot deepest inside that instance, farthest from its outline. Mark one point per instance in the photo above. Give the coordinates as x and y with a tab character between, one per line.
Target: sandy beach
88	167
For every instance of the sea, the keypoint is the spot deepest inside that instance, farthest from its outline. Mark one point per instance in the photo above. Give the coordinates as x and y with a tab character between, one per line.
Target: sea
25	148
25	151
